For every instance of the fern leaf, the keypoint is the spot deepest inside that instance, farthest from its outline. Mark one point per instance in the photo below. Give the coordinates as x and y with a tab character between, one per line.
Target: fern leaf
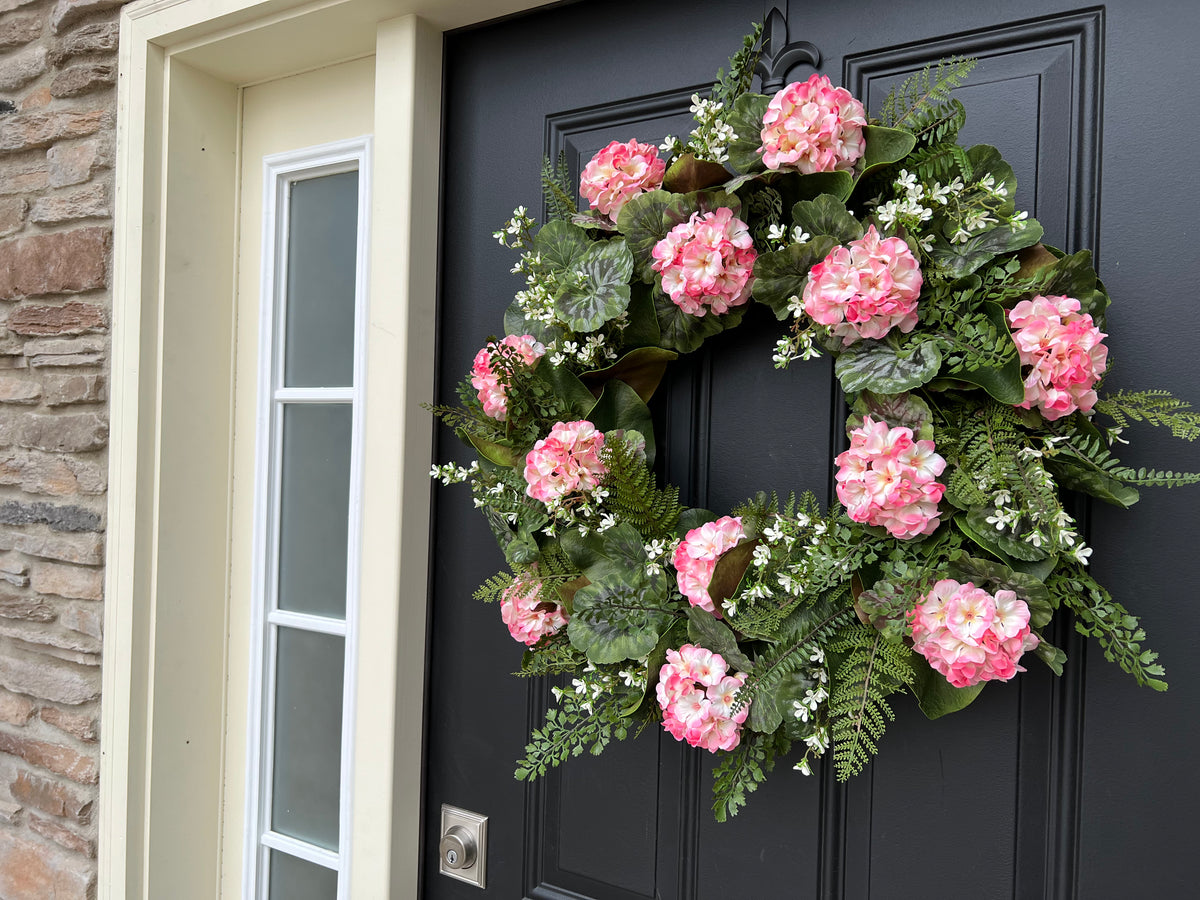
922	98
492	589
1154	407
557	190
741	771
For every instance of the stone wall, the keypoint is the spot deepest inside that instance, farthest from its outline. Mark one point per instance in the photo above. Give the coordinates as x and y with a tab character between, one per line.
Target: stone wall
57	110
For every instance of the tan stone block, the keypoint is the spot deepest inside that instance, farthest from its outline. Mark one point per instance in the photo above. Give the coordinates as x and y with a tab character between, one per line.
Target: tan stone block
81	548
68	11
70	433
67	262
61	390
18	30
20	606
24	175
40	129
79	79
38	473
62	836
70	318
48	679
85	351
14	709
36	99
97	37
67	581
81	725
12	215
19	390
86	617
60	643
28	872
89	203
10	5
21	68
51	797
73	163
61	760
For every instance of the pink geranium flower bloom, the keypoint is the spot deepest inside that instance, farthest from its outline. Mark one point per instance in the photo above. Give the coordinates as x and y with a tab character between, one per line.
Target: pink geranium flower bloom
1065	352
528	616
969	635
697	554
707	263
814	127
865	289
619	173
887	479
566	461
492	392
696	695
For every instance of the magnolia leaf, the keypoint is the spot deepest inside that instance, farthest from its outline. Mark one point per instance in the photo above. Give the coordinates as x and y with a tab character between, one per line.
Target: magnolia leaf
1050	655
1078	476
567	590
1010	546
735	183
603	294
995	576
568	388
728	572
960	260
1074	276
643	222
1003	383
780	275
642	369
827	215
642	328
837	184
884	146
746	119
712	634
685	333
935	695
690	174
500	454
902	410
1034	259
877	366
691	518
683	206
561	245
616	619
620	407
516	323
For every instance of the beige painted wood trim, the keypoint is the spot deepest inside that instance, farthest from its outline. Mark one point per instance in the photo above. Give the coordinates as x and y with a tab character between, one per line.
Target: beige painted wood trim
174	328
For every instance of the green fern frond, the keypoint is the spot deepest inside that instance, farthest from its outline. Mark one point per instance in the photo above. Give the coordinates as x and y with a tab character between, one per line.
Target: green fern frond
557	190
921	99
1156	408
742	770
492	589
873	668
634	497
729	87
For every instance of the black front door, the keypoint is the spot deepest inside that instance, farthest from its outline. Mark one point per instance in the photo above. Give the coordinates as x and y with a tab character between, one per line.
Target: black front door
1057	788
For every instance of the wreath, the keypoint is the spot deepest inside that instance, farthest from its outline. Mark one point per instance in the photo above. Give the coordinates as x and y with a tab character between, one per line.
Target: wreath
971	357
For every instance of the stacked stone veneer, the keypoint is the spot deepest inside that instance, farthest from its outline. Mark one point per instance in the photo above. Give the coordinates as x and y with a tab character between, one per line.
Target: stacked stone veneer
58	70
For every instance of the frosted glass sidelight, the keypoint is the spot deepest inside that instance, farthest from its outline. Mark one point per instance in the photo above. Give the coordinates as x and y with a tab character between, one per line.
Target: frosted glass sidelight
298	879
308	736
322	248
314	510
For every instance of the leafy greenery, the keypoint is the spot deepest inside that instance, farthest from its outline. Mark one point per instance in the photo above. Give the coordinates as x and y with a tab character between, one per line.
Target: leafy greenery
921	103
570	729
1154	407
558	191
741	771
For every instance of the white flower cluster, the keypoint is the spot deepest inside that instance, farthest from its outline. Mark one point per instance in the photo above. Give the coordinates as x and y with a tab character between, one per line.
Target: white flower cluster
656	552
452	474
516	231
779	237
592	351
593	682
711	137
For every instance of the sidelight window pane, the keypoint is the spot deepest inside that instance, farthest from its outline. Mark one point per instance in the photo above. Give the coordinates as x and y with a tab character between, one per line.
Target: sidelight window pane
314	510
321	261
298	879
308	736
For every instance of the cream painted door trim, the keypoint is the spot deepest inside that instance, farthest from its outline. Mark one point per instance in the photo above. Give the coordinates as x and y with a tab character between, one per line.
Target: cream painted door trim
166	653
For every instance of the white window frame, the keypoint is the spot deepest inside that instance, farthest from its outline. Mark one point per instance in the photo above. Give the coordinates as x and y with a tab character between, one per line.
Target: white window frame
280	172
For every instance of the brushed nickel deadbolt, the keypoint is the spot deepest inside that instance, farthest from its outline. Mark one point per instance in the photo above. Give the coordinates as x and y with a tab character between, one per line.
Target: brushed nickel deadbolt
462	850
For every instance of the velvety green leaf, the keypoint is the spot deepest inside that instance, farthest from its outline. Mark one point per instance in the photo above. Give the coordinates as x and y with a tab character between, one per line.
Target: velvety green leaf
837	184
996	576
683	206
688	174
1050	655
935	695
959	260
1078	476
522	550
746	119
780	275
1004	383
827	215
1041	569
902	410
500	454
567	387
682	332
561	245
603	293
1011	547
712	634
617	619
884	146
642	330
693	517
642	369
620	407
728	573
603	554
877	366
643	222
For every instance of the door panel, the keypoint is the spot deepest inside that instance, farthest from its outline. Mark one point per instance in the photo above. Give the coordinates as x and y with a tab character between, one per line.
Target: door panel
1033	789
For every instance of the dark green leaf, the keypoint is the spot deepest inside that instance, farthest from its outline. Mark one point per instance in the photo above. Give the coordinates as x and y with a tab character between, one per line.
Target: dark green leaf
568	388
688	174
1050	655
1004	383
902	410
617	619
603	293
642	369
683	206
712	634
746	119
986	160
837	184
884	146
682	332
877	366
1079	476
1010	545
935	695
516	323
642	330
620	407
500	454
959	260
643	222
729	570
827	215
561	245
780	275
693	517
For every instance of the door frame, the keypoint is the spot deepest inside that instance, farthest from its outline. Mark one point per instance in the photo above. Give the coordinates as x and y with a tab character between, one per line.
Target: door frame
164	781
